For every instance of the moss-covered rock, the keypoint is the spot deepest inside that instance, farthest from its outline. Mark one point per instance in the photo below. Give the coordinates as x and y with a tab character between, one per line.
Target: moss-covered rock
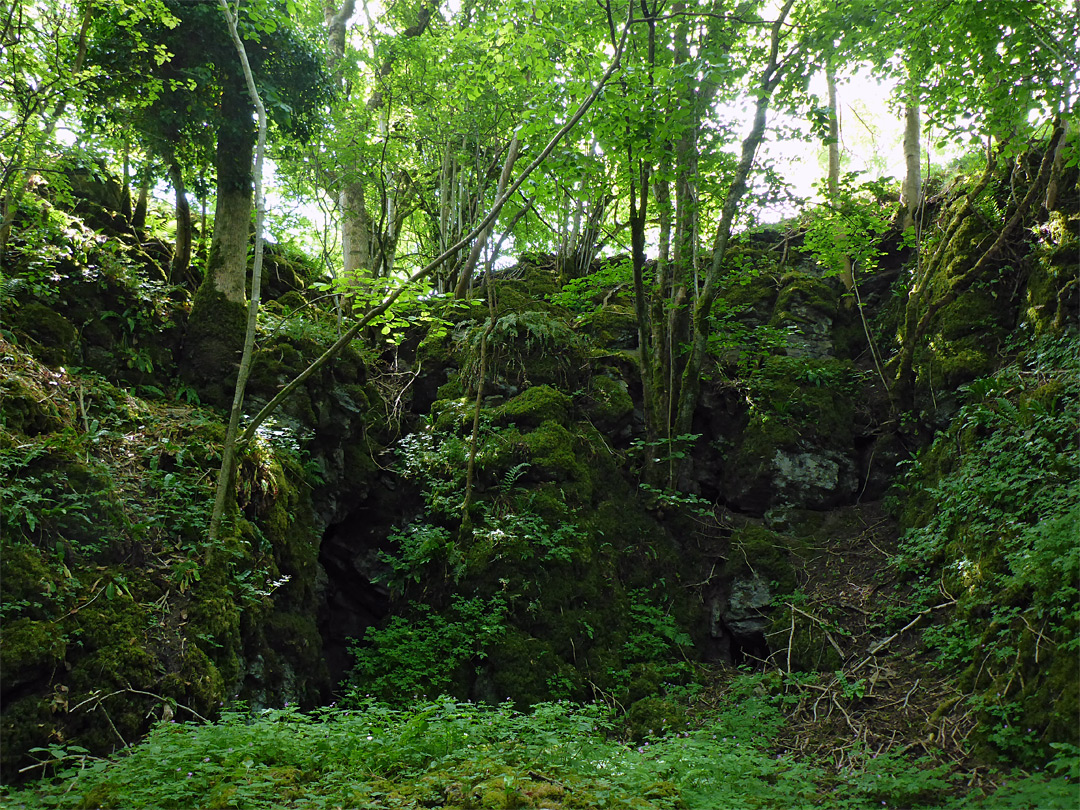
654	717
1051	296
612	327
608	404
527	670
535	405
797	446
54	335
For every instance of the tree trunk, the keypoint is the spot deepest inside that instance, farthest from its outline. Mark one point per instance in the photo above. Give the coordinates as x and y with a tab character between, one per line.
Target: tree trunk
690	381
911	191
215	334
227	268
270	407
465	277
229	454
138	215
847	275
181	258
1057	169
355	233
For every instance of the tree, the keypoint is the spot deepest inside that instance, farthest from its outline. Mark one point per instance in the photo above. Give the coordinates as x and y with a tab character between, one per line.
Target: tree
227	473
423	273
199	87
685	59
44	70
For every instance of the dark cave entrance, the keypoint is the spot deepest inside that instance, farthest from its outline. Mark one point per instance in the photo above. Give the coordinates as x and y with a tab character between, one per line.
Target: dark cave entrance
354	598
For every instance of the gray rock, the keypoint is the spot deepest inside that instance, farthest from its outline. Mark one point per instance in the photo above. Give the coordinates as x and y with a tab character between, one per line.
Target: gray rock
746	611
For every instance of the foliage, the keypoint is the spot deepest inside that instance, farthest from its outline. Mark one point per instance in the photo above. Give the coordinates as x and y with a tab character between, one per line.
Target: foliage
851	225
515	338
585	296
422	652
993	508
446	753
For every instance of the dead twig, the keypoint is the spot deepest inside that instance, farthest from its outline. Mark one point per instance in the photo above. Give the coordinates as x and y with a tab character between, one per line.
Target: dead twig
881	645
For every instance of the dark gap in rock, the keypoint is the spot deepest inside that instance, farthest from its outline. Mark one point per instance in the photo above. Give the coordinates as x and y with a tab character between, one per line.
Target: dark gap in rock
354	599
751	648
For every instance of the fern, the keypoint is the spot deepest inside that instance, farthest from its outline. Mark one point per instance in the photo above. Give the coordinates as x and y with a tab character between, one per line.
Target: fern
516	337
511	478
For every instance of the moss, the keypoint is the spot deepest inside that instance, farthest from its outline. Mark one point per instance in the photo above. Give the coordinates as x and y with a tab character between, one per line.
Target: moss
535	405
613	327
528	671
27	409
959	362
654	717
553	452
451	389
212	346
29	722
801	297
977	311
757	448
30	652
1051	294
51	331
452	415
756	550
1045	396
608	403
114	657
752	297
26	581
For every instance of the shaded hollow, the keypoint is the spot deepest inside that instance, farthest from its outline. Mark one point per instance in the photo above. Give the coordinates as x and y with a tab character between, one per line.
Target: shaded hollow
356	597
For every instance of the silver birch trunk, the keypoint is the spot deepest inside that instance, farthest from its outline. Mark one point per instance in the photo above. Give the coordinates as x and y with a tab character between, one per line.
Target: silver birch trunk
911	191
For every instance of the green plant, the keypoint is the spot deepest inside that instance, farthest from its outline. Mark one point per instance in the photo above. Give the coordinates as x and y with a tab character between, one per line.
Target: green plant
515	337
851	225
682	500
421	652
992	509
891	780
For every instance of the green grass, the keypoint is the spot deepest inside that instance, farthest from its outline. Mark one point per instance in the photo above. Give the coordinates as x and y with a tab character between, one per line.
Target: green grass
449	754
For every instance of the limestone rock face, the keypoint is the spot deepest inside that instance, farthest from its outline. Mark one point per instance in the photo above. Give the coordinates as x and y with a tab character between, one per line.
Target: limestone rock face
746	610
813	479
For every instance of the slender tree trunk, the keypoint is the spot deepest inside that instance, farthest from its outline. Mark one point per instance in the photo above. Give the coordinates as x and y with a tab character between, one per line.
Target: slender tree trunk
425	271
911	191
465	276
1056	169
138	215
690	382
847	275
182	250
229	451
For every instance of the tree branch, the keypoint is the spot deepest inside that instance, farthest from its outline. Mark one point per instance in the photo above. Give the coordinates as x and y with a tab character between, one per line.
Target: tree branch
389	300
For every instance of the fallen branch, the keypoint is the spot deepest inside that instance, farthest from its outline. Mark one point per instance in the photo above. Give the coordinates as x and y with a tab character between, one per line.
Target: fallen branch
881	645
97	698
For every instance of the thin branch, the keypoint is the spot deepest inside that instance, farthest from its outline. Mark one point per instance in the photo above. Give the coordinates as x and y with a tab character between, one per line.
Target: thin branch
389	300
